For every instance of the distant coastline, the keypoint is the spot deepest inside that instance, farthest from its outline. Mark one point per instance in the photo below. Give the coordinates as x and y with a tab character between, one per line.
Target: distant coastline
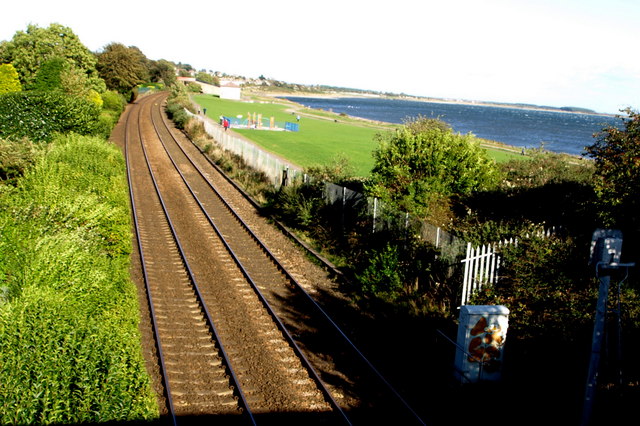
519	125
335	94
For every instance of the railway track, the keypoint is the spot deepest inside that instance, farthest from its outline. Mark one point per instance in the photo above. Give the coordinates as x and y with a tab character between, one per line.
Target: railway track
237	337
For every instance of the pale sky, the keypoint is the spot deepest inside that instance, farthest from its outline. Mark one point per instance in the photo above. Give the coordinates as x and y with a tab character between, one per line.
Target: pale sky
547	52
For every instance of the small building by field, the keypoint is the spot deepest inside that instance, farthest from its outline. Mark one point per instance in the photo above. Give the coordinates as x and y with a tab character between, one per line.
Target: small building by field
229	90
209	89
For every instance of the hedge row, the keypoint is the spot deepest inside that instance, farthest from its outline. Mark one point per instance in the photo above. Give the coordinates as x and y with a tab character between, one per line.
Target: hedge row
69	340
39	115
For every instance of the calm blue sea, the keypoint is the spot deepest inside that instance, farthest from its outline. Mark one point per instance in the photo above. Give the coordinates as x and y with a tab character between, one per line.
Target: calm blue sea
557	131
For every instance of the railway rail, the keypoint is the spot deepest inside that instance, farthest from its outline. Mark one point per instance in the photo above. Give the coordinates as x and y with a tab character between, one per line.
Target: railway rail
237	337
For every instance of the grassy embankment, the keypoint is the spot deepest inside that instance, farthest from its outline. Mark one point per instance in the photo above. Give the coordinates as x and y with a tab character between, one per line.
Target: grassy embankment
323	135
69	339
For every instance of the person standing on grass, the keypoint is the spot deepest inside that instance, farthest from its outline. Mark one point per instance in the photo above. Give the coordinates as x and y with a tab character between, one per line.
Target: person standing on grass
225	123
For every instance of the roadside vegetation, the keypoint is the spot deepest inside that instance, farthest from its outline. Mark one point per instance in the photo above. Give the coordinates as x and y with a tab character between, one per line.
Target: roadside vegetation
69	341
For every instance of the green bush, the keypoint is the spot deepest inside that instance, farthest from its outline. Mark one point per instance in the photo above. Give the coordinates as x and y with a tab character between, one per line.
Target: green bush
106	122
418	165
39	115
547	286
9	79
49	75
113	101
113	105
69	339
383	275
541	168
15	158
176	112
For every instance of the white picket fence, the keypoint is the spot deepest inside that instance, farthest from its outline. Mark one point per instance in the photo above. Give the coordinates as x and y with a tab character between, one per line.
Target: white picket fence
482	264
481	267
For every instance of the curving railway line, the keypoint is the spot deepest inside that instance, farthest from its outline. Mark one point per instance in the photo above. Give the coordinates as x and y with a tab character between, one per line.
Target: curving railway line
237	338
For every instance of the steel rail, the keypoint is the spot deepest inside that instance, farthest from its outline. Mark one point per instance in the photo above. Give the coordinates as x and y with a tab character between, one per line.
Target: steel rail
163	370
279	265
236	384
245	273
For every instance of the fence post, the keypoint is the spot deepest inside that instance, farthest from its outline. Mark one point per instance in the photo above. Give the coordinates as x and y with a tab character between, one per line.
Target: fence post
465	280
493	265
375	207
474	273
344	206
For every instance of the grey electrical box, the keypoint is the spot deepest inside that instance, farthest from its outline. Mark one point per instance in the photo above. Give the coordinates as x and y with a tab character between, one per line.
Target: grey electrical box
606	246
482	332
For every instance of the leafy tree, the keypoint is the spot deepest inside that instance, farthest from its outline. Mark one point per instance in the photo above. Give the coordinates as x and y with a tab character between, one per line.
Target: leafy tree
163	71
29	50
208	78
49	76
122	68
421	164
57	74
422	124
617	161
185	67
9	79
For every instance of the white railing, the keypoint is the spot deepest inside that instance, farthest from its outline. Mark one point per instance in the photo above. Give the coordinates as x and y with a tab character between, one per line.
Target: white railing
481	267
482	264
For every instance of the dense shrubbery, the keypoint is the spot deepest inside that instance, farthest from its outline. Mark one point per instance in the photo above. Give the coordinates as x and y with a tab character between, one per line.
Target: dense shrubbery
548	287
536	192
113	105
38	116
617	184
69	342
177	103
15	158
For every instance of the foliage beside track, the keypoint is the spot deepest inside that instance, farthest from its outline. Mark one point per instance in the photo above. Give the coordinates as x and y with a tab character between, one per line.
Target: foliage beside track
69	340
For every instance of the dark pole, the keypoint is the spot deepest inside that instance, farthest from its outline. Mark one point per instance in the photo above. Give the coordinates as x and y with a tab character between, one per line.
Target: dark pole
596	347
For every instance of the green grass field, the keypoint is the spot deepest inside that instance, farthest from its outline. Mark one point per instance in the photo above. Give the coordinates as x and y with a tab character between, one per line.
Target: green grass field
323	136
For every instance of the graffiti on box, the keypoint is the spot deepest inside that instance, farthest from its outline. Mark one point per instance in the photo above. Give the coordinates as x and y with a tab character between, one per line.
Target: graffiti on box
486	344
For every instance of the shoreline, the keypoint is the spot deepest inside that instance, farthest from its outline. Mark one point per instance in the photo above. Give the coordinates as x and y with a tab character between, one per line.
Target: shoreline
342	95
486	143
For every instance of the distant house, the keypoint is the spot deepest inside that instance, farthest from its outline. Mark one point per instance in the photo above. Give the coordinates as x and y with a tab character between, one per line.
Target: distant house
229	90
186	80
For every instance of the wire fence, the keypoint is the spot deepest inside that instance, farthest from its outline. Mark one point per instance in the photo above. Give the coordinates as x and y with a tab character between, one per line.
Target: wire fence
383	217
277	170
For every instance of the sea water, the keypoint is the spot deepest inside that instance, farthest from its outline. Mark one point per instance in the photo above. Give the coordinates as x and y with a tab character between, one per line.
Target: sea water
556	131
